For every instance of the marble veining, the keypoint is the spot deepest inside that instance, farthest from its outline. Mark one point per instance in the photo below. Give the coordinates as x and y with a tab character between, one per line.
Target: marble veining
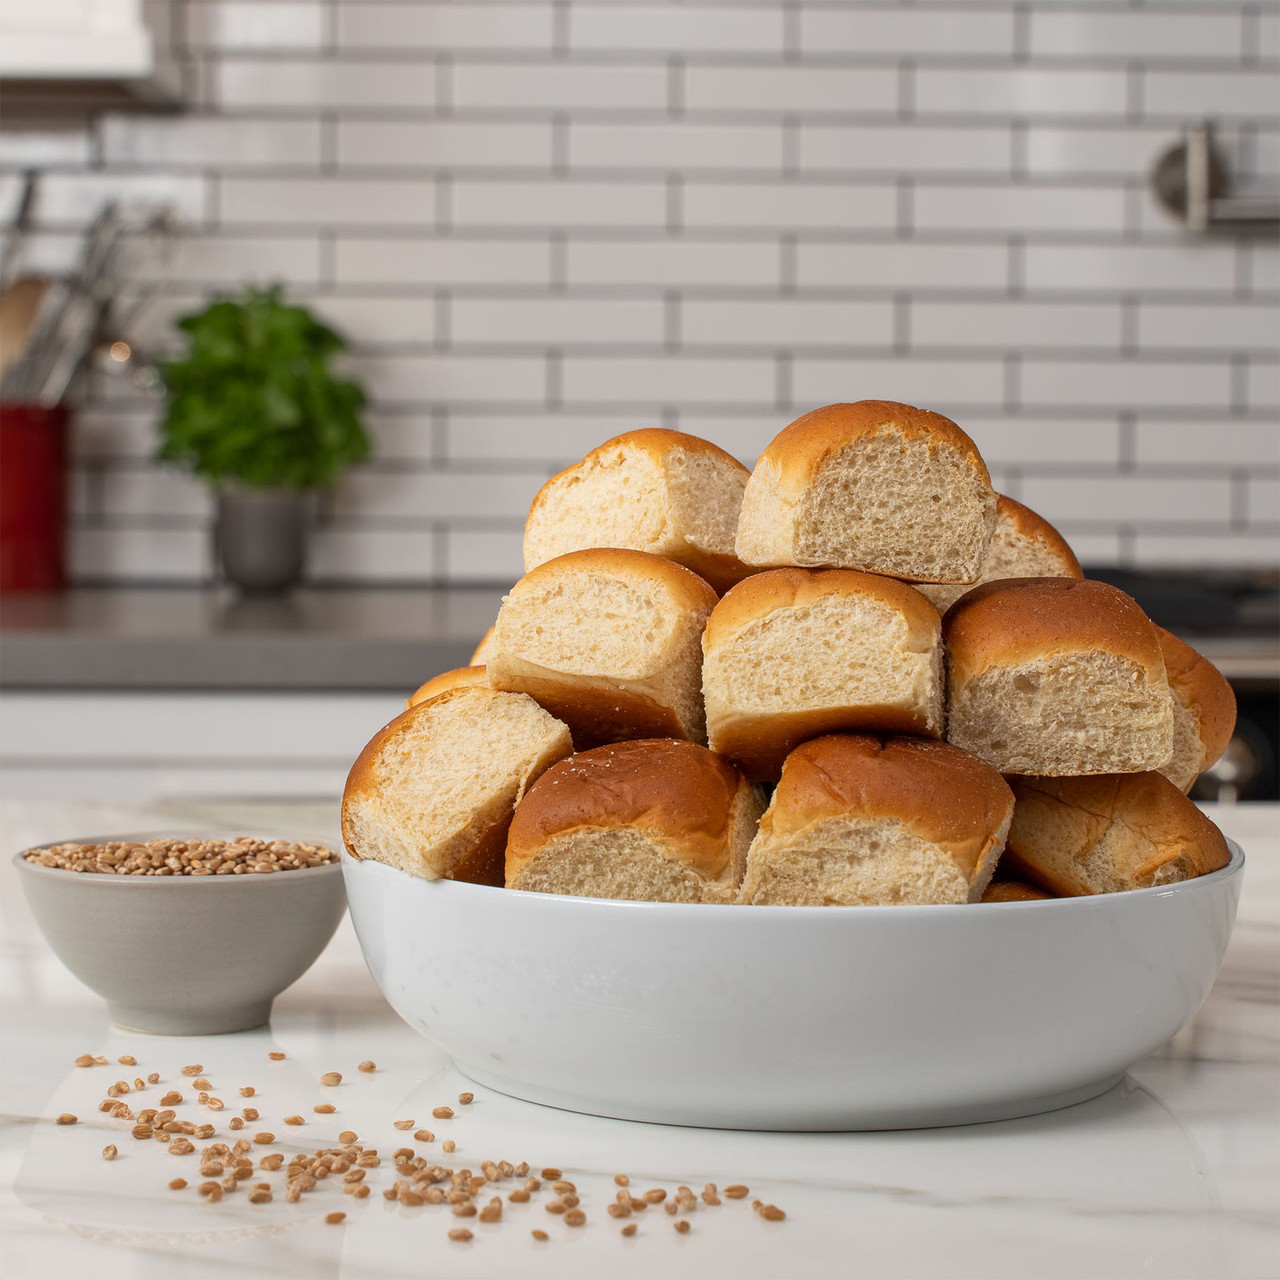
1174	1172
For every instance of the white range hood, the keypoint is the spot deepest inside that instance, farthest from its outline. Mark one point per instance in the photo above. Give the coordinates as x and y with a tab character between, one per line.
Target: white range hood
86	50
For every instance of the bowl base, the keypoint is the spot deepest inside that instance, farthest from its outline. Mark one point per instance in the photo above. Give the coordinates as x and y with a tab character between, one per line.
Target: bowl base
794	1117
190	1022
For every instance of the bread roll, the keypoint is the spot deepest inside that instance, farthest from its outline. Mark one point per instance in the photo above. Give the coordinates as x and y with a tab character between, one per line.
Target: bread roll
445	681
1055	676
481	655
1012	891
1080	836
610	641
858	820
1023	545
1204	711
659	820
876	486
433	792
794	653
653	490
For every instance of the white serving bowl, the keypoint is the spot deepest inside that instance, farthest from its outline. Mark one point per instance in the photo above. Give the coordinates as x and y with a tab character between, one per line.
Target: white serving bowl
793	1017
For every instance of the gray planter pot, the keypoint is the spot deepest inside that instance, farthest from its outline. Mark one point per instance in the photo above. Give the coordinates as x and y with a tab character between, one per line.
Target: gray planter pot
261	535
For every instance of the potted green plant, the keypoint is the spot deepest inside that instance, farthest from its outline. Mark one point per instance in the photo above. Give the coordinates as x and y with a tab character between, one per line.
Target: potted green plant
255	409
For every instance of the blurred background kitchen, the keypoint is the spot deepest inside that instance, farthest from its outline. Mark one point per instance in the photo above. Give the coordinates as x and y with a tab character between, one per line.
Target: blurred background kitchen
539	224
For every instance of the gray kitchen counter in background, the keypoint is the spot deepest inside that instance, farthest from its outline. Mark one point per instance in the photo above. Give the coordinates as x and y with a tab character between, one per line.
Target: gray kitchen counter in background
190	639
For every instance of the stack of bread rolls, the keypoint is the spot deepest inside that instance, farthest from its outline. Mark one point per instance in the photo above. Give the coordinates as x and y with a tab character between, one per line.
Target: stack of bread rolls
912	668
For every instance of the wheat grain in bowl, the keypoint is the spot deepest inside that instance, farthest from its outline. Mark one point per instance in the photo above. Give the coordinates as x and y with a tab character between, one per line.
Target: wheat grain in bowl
122	912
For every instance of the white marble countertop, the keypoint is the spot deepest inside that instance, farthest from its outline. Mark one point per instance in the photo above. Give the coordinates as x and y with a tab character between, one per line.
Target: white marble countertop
1174	1173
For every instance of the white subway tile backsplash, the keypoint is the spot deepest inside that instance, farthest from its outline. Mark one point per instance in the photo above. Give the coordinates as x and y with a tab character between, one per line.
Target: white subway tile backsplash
1262	503
146	553
541	223
1235	326
686	263
1022	208
1140	36
255	24
1184	267
328	202
445	379
831	206
910	33
1237	92
1020	91
485	555
1132	499
1040	442
675	145
437	494
621	26
558	87
442	262
550	440
807	90
552	321
1210	551
350	554
674	380
784	323
443	144
185	143
900	265
904	147
557	202
1123	384
323	84
1212	442
929	383
447	27
1015	323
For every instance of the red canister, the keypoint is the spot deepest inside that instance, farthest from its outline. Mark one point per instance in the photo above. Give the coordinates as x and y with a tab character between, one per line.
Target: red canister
33	501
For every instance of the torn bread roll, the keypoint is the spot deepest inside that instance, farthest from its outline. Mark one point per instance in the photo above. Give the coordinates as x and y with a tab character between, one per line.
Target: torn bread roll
434	791
877	486
458	678
653	490
610	642
859	821
481	655
659	820
1056	677
1204	711
791	654
1023	545
1080	836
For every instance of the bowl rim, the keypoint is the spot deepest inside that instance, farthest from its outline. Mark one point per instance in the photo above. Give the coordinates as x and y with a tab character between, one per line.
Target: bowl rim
102	877
700	910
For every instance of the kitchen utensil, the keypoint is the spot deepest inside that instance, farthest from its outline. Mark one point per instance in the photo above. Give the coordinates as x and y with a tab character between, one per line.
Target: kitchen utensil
33	488
792	1017
19	307
185	955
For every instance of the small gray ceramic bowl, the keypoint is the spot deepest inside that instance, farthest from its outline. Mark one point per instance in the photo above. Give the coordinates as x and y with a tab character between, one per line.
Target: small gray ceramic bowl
185	955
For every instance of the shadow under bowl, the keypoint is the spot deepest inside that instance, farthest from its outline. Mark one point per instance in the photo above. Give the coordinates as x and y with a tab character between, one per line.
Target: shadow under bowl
817	1018
185	955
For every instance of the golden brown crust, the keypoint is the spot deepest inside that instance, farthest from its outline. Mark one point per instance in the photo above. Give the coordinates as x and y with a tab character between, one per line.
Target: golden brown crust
940	793
446	680
1037	529
1013	891
481	655
597	713
1204	691
682	795
689	589
798	451
1148	823
765	592
1019	620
